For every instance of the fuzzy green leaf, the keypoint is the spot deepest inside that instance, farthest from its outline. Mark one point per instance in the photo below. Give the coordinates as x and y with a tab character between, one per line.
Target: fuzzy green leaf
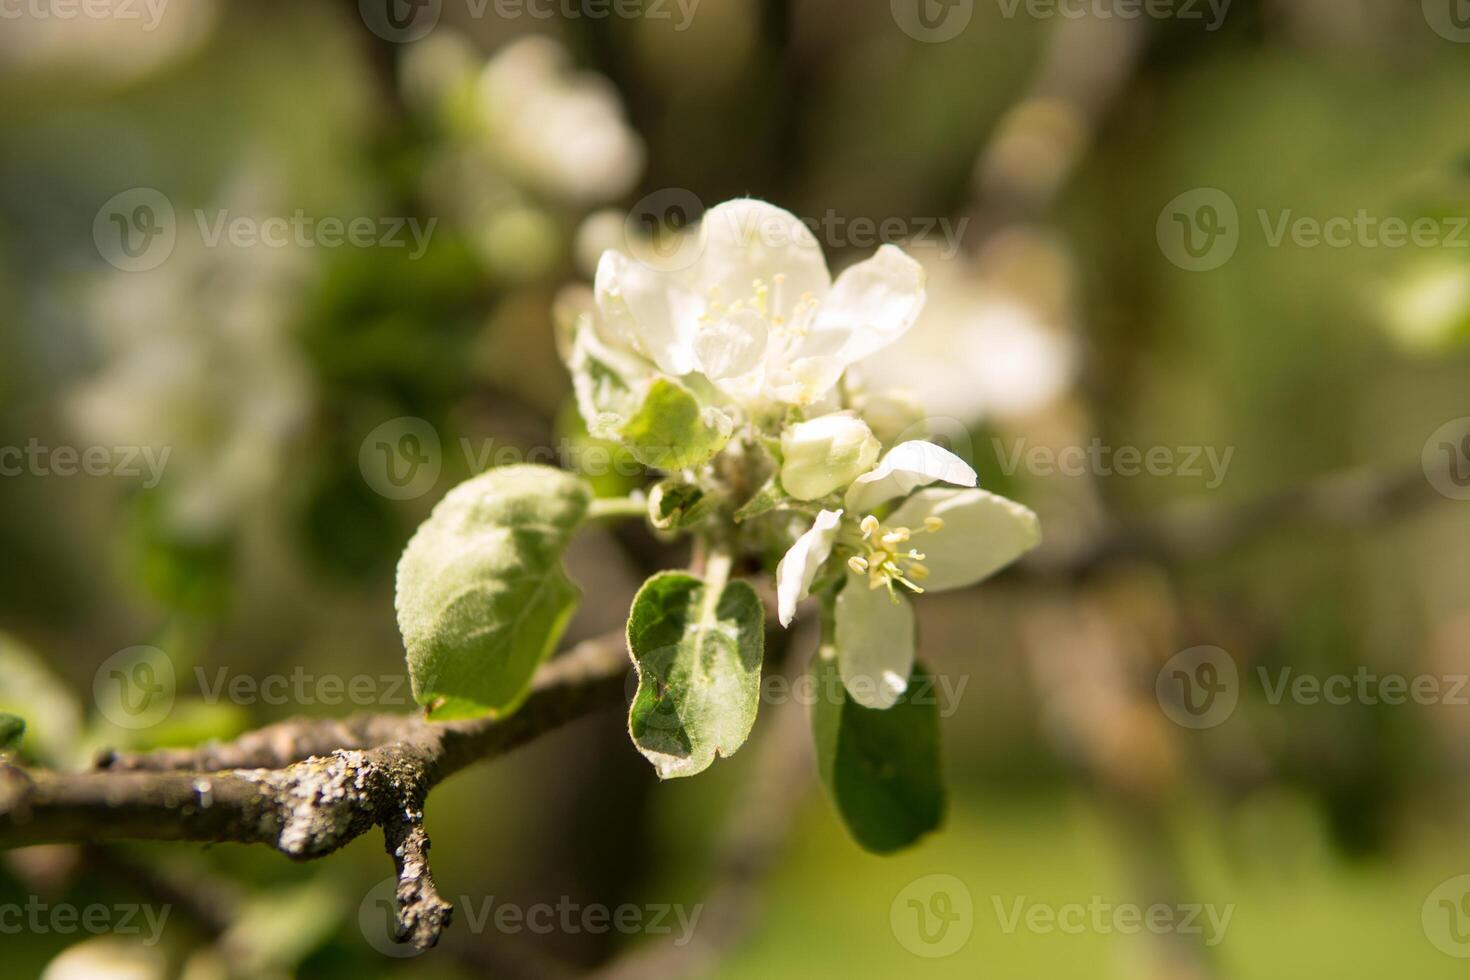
698	653
673	431
881	768
608	384
482	598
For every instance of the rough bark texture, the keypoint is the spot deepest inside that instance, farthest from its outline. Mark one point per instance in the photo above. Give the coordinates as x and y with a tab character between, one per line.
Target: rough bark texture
306	786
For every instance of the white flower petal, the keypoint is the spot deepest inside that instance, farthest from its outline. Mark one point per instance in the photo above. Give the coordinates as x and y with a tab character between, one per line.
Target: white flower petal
747	240
649	311
875	643
871	305
804	382
904	468
800	564
982	534
732	346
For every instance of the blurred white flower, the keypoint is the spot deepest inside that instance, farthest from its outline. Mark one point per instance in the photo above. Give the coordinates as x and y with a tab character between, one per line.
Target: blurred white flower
979	350
1430	309
557	129
757	312
108	958
525	135
106	41
195	359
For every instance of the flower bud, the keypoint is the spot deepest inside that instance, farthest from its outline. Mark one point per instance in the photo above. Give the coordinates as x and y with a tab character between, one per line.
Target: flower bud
825	454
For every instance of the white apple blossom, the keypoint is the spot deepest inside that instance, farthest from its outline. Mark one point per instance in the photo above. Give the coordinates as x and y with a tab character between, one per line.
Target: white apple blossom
757	312
938	538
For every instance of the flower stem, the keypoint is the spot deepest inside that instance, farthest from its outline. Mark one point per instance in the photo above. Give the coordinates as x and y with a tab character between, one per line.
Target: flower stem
618	507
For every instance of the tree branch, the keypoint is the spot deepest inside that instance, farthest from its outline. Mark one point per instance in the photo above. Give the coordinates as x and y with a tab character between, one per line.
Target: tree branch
307	787
1349	499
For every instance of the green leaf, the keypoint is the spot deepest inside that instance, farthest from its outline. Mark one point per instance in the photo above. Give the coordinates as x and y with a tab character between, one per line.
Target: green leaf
769	497
698	650
482	598
881	768
11	731
608	383
674	504
672	431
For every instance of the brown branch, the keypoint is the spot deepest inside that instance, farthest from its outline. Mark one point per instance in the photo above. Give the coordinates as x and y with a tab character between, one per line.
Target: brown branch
307	787
1349	499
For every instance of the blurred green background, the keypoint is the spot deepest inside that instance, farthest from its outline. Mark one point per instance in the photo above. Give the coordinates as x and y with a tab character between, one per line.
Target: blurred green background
1035	162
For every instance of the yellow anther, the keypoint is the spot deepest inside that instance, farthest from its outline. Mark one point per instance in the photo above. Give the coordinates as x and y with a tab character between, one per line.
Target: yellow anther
896	537
869	526
858	564
918	572
933	524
